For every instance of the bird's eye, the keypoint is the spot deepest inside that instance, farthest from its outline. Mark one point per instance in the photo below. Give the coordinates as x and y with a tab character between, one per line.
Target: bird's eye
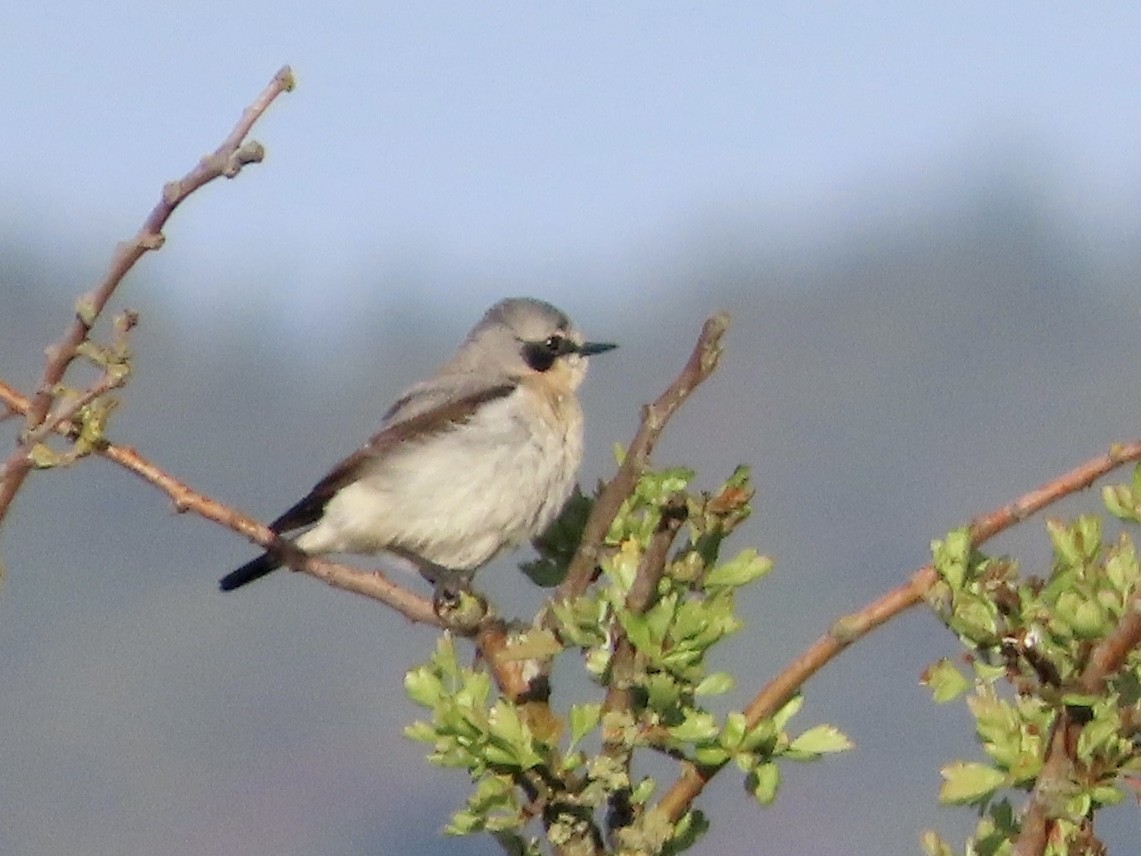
542	355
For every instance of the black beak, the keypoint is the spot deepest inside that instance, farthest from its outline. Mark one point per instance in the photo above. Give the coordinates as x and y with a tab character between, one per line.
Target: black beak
588	348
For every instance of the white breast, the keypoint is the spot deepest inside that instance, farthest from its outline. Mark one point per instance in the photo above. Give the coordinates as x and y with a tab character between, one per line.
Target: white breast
459	497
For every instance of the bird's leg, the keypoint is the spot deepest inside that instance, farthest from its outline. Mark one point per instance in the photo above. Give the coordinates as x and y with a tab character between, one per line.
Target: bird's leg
449	585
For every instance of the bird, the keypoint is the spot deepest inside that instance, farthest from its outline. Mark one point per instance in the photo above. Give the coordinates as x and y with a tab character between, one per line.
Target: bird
470	462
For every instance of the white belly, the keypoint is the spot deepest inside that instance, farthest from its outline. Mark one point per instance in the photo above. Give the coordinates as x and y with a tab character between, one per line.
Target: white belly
461	496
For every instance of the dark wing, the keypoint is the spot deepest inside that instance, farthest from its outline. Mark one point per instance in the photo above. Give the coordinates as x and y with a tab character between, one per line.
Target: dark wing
440	418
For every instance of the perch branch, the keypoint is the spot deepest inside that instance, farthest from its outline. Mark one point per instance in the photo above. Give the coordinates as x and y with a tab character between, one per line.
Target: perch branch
370	584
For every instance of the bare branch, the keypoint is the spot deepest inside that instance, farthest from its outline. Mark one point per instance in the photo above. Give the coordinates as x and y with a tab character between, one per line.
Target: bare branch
226	160
850	628
702	363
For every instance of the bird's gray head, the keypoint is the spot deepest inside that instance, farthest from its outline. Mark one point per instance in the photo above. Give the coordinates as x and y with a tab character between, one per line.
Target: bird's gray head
522	336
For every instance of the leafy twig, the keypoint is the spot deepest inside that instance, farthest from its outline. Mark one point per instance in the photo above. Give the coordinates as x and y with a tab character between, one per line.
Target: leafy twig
642	595
850	628
1105	660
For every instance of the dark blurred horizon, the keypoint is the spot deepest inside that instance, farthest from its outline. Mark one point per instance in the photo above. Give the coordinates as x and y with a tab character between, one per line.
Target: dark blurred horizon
885	381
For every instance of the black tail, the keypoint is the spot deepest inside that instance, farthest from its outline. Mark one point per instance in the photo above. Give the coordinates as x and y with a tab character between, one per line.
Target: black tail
249	572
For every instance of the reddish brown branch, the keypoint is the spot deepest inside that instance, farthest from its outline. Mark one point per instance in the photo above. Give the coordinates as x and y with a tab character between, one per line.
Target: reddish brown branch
701	364
227	160
853	627
370	584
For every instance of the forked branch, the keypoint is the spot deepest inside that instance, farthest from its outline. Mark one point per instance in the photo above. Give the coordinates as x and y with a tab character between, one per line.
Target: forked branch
227	160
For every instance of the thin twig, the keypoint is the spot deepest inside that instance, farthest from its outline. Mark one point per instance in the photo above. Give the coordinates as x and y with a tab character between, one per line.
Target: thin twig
111	379
619	700
701	364
227	160
69	408
852	627
370	584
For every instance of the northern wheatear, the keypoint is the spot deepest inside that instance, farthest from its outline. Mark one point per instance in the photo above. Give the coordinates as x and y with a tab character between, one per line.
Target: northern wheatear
476	459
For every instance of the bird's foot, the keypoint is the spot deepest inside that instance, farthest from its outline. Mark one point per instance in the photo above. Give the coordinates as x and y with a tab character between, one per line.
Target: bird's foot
453	598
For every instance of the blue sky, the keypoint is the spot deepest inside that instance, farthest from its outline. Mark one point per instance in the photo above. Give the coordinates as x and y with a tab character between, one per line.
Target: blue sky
465	140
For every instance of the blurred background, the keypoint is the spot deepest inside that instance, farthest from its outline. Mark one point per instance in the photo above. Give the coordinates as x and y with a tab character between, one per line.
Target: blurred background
924	219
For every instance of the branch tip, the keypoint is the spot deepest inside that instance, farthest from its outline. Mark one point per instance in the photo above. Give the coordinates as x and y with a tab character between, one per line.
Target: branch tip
285	79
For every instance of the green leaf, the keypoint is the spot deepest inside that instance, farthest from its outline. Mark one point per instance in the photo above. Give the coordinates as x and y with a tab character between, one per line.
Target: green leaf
444	658
1124	501
1107	795
1091	621
659	617
944	680
710	755
821	740
1067	543
697	727
1088	531
639	633
662	692
763	782
423	687
968	782
1100	734
743	568
598	661
463	823
1076	699
503	722
788	711
765	732
622	566
933	845
643	792
733	733
951	556
691	827
1122	569
421	732
583	719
